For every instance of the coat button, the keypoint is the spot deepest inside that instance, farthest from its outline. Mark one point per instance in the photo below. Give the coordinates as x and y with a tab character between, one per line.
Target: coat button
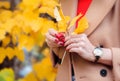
103	72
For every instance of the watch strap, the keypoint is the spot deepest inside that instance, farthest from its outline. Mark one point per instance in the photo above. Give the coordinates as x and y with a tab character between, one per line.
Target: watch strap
97	58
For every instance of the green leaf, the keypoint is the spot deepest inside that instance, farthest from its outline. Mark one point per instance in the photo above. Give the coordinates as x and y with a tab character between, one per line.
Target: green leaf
1	78
7	74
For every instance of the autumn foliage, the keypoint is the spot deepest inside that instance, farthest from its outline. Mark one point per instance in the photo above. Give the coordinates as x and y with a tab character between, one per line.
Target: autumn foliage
24	28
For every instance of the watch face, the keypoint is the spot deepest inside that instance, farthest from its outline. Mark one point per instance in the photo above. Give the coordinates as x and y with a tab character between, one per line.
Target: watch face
98	52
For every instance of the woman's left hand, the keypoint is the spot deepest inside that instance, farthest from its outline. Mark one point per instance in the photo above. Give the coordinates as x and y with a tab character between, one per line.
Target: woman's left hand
80	44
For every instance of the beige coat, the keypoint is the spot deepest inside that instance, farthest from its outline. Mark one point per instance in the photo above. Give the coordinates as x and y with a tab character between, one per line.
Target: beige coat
104	29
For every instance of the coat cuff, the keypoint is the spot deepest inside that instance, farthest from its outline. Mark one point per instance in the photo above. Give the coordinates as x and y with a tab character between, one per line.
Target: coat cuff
116	63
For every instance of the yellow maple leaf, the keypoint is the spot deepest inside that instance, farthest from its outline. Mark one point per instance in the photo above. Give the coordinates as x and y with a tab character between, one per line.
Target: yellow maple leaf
2	54
2	33
6	41
9	52
62	21
39	38
82	25
62	25
26	42
45	9
19	18
19	54
5	15
8	25
74	20
30	4
61	13
22	41
5	4
44	70
36	24
30	77
27	29
49	4
48	24
2	57
16	31
29	15
14	40
22	23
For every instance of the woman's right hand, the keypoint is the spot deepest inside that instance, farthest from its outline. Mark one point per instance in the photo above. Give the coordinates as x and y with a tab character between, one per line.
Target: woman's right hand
52	41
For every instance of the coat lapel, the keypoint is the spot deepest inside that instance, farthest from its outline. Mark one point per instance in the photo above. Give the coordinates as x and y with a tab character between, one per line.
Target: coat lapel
96	13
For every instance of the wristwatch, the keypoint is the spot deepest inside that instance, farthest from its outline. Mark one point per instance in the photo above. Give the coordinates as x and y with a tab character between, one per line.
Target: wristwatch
98	52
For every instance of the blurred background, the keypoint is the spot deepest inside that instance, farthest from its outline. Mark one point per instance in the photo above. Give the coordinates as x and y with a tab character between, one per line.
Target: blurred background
24	55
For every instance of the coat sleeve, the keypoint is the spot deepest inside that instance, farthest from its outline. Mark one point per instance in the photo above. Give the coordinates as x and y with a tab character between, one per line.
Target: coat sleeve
116	63
116	51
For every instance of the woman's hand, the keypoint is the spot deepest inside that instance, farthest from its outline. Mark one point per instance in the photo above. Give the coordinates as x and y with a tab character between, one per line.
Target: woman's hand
52	40
81	45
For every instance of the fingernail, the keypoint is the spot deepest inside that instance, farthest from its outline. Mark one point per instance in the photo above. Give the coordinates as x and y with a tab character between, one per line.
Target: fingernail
56	40
55	35
61	43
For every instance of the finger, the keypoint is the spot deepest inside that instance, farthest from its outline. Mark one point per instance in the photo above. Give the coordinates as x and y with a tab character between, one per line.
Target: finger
69	37
76	50
75	36
75	40
51	44
60	43
51	38
55	43
76	45
52	32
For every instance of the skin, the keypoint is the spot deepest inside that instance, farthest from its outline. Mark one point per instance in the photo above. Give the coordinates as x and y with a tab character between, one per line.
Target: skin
51	41
79	44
